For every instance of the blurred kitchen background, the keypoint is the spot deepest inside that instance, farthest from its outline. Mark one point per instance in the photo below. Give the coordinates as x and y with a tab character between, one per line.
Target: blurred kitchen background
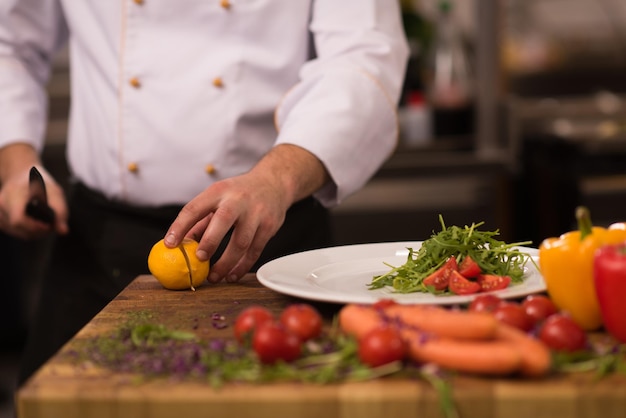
513	113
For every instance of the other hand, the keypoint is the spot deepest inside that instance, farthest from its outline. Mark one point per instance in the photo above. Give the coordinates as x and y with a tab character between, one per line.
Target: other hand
14	195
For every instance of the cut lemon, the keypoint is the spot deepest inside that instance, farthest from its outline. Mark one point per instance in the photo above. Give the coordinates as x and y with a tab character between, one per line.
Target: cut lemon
177	268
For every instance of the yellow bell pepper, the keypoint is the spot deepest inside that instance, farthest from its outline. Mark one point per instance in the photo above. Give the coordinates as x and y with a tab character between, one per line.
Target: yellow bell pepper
566	264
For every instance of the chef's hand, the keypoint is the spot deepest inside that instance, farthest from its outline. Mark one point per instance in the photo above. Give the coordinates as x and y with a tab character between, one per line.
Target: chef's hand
254	204
15	163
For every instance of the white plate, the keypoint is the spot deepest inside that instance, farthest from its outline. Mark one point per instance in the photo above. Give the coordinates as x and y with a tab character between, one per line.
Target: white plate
342	275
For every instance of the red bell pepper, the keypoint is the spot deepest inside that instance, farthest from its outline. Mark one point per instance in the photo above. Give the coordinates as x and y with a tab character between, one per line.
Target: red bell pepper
609	275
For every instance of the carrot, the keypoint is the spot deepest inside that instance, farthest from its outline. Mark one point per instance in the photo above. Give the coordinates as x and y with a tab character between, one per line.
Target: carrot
536	358
444	322
488	357
471	342
357	319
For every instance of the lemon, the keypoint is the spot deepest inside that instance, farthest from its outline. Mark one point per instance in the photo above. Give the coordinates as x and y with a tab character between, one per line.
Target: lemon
171	266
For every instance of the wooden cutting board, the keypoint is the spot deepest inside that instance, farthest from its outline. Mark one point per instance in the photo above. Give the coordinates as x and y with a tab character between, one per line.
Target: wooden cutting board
64	389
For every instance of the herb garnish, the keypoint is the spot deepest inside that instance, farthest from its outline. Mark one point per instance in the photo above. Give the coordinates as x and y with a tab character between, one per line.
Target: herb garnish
601	359
492	255
152	350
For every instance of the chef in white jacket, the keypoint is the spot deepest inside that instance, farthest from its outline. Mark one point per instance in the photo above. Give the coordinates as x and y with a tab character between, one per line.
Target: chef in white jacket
236	122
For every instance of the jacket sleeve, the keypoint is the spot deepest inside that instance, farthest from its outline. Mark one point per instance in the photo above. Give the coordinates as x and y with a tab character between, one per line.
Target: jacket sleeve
343	109
31	31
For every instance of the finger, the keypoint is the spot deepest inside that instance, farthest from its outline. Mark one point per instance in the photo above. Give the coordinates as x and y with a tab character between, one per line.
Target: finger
61	227
198	229
38	232
188	216
221	222
247	261
59	205
19	225
3	219
264	233
240	241
27	230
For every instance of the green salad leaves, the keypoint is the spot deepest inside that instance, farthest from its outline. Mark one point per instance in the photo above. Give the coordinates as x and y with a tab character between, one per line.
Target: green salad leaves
492	255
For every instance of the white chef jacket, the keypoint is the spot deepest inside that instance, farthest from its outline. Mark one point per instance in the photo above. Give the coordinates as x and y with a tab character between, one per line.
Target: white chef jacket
168	96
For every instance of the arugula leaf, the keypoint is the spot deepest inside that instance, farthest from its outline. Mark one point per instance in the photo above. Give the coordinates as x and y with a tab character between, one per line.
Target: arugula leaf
601	363
492	255
433	375
151	334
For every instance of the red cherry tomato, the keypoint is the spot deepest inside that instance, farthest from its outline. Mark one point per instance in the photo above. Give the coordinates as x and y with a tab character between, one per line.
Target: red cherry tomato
469	268
249	319
303	320
380	346
513	314
539	307
485	303
384	303
489	282
273	342
561	333
459	285
441	277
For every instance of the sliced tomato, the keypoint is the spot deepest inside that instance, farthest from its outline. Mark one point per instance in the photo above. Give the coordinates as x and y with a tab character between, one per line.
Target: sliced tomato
469	268
461	285
489	282
441	277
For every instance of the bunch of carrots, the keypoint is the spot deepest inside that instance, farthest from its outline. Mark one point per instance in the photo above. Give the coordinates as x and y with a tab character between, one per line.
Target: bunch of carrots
465	341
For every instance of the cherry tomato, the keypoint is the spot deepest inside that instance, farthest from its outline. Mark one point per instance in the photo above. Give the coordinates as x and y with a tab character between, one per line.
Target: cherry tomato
459	285
513	314
485	303
303	320
539	307
273	342
249	319
469	268
384	303
561	333
441	277
489	282
380	346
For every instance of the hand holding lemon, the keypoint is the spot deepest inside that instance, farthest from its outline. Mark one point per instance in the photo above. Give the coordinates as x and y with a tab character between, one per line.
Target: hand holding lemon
177	268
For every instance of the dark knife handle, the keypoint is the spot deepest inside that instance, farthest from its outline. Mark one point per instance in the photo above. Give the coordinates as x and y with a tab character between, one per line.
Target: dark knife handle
40	211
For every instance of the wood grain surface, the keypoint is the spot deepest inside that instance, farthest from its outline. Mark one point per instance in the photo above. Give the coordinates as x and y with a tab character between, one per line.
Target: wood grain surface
63	389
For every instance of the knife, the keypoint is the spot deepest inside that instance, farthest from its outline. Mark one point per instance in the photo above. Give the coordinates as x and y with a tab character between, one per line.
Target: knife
37	206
